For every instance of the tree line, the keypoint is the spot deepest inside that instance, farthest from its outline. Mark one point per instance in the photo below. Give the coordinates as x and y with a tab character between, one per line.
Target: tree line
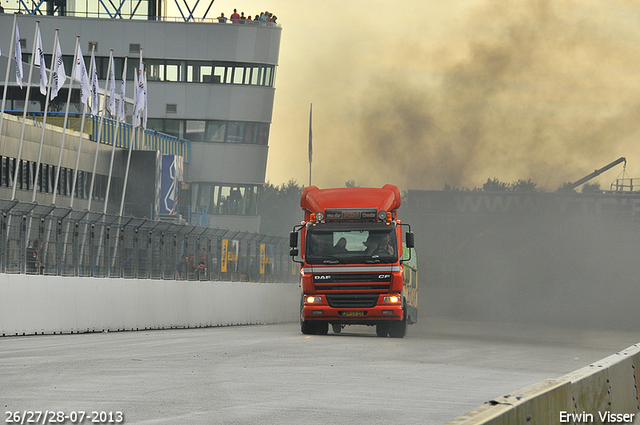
280	205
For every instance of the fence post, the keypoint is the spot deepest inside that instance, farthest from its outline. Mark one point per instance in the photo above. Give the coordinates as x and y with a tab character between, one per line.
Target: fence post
59	249
23	245
219	257
136	254
75	250
209	258
149	255
92	269
3	241
106	252
162	264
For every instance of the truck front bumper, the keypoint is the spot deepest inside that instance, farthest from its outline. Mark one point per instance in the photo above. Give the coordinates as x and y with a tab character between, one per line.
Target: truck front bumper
379	313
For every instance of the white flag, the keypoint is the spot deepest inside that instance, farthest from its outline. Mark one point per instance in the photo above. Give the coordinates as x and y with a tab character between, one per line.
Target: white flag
138	73
59	75
19	71
121	113
81	75
94	85
144	121
43	66
138	104
112	88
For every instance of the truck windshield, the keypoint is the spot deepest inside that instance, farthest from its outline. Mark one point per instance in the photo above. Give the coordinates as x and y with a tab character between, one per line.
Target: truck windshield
351	243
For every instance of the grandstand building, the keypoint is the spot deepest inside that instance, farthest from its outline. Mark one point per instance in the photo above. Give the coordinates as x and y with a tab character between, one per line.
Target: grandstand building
210	92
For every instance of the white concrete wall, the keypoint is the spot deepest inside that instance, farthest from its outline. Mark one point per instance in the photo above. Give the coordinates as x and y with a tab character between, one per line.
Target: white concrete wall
611	385
50	304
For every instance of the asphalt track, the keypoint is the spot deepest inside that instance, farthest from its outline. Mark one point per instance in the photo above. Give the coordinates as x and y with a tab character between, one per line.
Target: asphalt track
272	374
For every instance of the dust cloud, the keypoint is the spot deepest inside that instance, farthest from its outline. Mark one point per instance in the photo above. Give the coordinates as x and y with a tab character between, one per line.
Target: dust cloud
538	99
526	89
573	268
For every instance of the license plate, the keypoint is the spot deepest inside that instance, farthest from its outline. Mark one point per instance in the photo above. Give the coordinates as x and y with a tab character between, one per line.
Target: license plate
353	313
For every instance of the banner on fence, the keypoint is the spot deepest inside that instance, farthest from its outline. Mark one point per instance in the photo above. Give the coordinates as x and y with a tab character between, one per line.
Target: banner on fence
170	182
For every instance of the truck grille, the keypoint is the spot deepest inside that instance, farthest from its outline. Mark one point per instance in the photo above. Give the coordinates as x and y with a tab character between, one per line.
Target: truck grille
370	282
351	277
378	288
352	300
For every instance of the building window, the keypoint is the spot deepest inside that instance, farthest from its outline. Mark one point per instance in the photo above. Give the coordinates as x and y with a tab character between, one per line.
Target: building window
174	71
216	131
195	130
225	199
167	70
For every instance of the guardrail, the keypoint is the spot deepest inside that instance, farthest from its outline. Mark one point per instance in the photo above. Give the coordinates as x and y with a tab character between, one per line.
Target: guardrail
39	239
126	135
602	393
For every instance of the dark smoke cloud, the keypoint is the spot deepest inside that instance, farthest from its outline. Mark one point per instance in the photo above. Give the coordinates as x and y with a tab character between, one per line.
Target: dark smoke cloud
531	92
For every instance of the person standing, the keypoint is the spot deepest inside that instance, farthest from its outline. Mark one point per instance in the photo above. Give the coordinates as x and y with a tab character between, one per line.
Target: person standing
235	17
222	19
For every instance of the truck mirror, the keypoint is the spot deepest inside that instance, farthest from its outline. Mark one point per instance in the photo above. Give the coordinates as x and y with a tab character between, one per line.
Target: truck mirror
293	239
293	252
409	240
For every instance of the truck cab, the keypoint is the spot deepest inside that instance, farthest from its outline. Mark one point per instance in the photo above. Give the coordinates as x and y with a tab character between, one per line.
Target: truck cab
351	261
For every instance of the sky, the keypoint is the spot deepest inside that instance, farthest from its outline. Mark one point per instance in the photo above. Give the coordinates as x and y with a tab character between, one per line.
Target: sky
427	93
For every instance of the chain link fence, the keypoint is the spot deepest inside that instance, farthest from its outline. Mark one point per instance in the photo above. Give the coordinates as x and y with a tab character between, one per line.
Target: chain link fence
48	240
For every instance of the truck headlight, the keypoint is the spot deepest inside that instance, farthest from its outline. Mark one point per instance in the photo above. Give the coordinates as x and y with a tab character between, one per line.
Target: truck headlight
313	300
393	299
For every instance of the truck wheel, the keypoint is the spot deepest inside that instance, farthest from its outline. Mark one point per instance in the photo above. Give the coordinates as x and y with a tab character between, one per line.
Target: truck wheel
398	329
336	328
306	327
382	330
322	328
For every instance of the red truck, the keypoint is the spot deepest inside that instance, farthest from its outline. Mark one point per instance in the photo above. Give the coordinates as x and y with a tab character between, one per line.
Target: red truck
354	267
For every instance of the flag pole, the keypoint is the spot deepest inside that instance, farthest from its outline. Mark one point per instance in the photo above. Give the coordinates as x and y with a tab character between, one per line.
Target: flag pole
135	123
46	110
6	77
84	115
113	147
110	85
310	142
99	138
24	112
121	116
65	124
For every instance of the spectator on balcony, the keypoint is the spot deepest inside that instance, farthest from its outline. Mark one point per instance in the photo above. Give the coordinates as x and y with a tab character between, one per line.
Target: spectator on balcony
235	17
222	19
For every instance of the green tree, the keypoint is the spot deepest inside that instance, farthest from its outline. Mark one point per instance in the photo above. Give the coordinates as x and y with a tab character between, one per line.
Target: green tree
565	188
280	208
524	186
496	185
591	188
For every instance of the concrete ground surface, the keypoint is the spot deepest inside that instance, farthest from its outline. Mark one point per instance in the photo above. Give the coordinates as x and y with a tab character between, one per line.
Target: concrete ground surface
272	374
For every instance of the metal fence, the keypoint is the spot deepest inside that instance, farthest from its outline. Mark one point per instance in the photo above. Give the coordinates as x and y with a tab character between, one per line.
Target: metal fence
38	239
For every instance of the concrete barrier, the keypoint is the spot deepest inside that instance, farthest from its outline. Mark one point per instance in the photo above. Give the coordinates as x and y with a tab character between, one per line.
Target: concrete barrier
50	304
602	393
